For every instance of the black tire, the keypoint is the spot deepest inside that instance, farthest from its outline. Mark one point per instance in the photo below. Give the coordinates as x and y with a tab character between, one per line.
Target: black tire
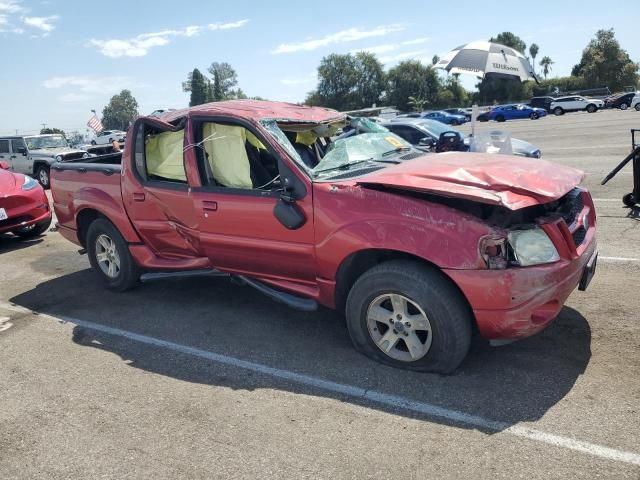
454	122
637	107
623	106
42	175
93	142
128	275
591	108
534	116
33	231
558	111
629	200
483	119
446	310
500	118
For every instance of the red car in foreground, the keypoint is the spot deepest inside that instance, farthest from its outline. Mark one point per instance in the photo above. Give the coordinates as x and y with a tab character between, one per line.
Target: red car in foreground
416	249
24	208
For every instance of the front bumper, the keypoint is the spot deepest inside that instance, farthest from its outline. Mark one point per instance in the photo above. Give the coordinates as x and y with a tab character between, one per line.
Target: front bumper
24	209
519	302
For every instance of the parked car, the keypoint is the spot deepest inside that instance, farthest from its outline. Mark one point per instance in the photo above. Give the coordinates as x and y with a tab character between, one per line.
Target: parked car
542	102
575	103
108	136
424	134
515	111
444	117
621	101
417	250
466	113
24	208
34	154
635	103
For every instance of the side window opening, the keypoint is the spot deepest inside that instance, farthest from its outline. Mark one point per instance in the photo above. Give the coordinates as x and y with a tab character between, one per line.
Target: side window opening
4	146
159	155
232	156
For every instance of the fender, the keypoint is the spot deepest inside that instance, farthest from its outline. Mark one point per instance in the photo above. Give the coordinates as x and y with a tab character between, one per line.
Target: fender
100	201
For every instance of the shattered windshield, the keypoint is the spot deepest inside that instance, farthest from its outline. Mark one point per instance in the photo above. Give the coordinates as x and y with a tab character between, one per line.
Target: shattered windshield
53	141
359	149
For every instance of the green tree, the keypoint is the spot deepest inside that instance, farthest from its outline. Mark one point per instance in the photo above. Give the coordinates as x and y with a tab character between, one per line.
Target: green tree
546	63
224	79
411	78
533	51
605	63
48	131
510	40
435	60
120	112
370	80
416	104
199	87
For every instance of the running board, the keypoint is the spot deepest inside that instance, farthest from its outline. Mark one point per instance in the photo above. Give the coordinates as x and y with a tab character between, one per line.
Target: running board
292	301
150	277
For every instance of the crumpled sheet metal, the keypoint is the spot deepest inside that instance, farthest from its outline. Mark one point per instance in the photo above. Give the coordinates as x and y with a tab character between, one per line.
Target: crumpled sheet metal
505	180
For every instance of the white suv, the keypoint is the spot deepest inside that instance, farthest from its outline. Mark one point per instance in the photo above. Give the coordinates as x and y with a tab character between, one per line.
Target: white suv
107	136
635	103
575	104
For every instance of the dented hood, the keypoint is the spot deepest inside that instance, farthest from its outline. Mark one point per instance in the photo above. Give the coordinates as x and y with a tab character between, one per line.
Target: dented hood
509	181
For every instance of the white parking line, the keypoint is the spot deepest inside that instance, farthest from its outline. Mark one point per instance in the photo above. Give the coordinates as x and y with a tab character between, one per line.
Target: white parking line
359	393
618	259
619	200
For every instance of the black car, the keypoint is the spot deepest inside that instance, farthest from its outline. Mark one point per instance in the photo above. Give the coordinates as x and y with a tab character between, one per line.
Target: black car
542	102
459	111
622	101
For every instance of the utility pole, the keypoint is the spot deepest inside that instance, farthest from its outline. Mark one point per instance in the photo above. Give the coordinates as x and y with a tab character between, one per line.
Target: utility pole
44	125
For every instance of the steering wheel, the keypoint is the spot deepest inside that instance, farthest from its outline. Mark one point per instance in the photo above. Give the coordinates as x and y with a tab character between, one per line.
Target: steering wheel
449	142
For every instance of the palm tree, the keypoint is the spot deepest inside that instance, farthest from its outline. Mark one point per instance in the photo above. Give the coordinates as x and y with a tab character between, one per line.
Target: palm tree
533	51
417	103
546	63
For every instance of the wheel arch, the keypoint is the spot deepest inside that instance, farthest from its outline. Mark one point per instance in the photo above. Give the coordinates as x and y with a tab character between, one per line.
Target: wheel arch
357	263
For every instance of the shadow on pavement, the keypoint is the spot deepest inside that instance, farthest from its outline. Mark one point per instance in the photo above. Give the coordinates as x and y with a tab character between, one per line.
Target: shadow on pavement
10	243
511	384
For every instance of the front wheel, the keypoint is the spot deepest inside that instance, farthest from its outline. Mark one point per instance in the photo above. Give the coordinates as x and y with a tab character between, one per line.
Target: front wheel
34	230
623	106
409	316
591	108
558	111
637	107
109	256
42	174
500	118
534	116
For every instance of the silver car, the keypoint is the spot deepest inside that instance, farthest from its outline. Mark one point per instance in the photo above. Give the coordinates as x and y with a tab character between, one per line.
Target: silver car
34	154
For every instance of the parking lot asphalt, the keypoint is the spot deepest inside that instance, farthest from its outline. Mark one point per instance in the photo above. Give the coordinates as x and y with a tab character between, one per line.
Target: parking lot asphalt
200	378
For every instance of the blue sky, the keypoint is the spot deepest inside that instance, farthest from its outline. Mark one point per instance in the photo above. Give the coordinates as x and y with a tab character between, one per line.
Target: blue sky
63	58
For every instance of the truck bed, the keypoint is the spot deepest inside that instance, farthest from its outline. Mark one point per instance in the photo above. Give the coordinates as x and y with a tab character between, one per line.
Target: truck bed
84	184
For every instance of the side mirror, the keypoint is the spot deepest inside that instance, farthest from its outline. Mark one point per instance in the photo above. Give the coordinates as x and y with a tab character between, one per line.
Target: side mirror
426	142
286	211
22	151
4	165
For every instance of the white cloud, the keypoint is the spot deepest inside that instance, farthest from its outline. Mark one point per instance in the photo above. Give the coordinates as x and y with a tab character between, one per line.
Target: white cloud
140	45
417	55
41	23
11	6
349	35
88	84
390	47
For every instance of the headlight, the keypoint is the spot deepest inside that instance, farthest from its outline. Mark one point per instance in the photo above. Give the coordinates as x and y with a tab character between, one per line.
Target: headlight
29	183
532	247
85	155
58	158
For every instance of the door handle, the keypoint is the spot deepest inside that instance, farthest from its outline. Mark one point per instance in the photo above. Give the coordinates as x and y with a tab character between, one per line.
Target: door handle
13	156
138	196
209	206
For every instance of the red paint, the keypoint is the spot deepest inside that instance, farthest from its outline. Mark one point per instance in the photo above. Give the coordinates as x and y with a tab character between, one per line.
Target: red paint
177	229
31	206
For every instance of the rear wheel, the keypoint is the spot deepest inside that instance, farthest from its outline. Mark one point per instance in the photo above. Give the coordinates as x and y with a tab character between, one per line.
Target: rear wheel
558	111
409	316
534	116
623	106
42	174
34	230
500	118
591	108
109	256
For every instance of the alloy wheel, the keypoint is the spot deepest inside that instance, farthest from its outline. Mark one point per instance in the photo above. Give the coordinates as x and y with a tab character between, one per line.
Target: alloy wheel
107	256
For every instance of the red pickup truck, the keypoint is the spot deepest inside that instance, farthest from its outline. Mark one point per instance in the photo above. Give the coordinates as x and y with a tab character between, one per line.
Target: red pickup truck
417	249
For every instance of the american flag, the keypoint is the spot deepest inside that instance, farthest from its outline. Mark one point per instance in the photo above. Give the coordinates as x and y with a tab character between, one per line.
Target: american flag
95	124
